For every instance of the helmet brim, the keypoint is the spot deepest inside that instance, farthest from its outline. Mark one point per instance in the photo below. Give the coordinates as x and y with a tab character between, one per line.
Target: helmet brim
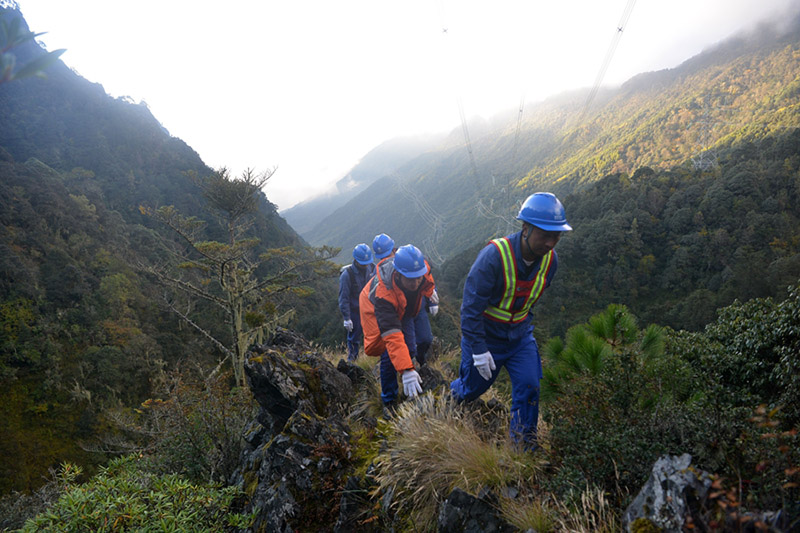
552	227
385	254
415	274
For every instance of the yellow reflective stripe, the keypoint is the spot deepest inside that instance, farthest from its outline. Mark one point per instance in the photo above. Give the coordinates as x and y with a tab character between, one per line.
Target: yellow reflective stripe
509	271
502	310
541	278
496	312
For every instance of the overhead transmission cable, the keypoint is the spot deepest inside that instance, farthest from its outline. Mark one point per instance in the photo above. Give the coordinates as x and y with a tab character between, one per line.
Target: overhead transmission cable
435	221
465	129
623	22
519	126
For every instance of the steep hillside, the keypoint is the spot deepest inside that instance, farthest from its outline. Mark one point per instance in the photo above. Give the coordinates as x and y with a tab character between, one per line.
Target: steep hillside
741	90
674	246
69	123
82	326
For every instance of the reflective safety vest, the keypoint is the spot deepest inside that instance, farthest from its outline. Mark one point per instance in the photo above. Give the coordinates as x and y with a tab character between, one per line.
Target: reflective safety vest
515	288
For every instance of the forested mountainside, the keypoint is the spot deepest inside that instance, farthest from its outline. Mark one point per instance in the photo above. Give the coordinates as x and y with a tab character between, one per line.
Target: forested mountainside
71	124
673	245
739	91
81	324
684	197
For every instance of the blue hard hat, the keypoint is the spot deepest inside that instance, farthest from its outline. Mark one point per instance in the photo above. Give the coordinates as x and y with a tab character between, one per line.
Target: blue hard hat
362	254
382	245
543	210
409	261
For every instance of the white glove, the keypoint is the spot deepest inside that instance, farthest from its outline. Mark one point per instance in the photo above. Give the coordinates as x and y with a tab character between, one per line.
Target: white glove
485	364
434	298
348	325
412	384
433	310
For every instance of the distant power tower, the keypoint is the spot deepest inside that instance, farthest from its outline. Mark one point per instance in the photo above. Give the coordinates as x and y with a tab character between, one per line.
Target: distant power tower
436	222
705	157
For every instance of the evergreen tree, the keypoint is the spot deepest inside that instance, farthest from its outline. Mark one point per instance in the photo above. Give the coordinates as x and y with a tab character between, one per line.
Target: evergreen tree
230	273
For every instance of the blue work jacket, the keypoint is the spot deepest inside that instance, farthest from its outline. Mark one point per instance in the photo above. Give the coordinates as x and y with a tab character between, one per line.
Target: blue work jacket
484	286
351	281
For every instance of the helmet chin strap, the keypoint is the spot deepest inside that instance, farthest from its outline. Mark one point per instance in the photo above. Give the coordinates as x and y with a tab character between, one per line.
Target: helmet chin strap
526	232
525	237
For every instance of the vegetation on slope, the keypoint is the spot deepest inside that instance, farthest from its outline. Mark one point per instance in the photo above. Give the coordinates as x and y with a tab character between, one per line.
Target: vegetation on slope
616	398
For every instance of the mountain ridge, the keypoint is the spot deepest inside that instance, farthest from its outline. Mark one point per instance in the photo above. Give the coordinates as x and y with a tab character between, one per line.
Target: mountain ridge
626	128
380	161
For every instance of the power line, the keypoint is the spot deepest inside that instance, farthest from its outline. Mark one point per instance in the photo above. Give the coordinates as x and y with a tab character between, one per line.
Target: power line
519	126
435	222
466	137
623	22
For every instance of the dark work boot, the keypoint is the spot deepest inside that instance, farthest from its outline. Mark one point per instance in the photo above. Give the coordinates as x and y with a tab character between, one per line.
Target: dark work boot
389	410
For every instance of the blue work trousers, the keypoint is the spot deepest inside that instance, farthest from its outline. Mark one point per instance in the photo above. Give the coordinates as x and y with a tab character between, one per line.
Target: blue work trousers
524	367
424	335
389	387
354	336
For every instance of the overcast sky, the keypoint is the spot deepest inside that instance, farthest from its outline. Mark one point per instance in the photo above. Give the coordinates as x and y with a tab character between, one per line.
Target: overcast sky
310	86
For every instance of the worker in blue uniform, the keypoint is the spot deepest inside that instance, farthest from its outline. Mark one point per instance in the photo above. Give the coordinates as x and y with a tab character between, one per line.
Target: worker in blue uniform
506	279
352	279
383	247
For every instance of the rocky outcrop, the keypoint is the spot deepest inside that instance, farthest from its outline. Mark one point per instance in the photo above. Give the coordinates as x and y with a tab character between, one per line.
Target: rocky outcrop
305	467
299	459
672	493
301	469
677	497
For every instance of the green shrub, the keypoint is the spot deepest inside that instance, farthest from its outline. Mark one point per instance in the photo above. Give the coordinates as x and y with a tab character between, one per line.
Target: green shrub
755	352
194	429
618	398
124	496
615	402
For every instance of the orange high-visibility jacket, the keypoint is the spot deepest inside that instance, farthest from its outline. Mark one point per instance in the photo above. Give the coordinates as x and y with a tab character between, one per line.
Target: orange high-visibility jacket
382	304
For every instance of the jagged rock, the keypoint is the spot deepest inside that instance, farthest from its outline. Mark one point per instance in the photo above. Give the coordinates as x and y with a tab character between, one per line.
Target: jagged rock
298	471
355	498
280	380
464	513
674	491
298	456
254	432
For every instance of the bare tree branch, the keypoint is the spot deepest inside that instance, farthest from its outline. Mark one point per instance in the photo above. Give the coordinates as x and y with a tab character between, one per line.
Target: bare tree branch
205	333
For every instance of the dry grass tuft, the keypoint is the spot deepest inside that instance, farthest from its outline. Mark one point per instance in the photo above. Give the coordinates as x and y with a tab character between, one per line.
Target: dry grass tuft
530	513
434	445
367	363
595	514
435	448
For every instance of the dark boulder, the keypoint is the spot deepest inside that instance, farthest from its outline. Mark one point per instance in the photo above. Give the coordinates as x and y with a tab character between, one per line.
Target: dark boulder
463	513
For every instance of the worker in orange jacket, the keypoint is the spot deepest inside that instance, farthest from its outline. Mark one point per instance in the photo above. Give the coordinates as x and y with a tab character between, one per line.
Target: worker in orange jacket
383	249
388	305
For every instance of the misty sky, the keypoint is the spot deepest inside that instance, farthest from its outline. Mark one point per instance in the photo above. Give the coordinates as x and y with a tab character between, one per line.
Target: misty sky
310	86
